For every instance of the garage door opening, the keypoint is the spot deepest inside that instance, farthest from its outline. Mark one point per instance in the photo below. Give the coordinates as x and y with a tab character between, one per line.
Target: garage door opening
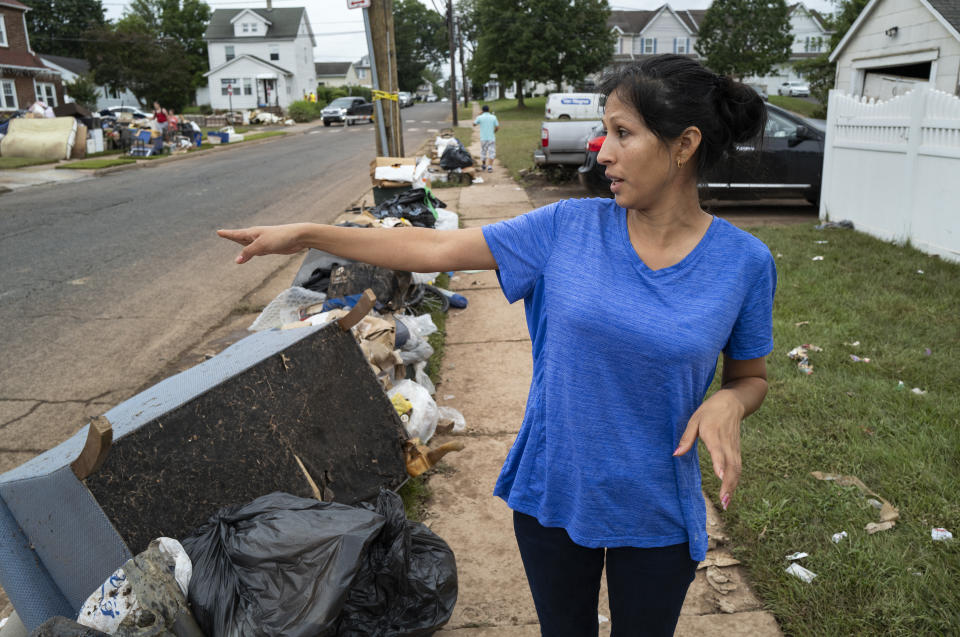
886	82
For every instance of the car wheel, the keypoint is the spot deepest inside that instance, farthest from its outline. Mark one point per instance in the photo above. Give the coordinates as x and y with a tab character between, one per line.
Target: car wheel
564	116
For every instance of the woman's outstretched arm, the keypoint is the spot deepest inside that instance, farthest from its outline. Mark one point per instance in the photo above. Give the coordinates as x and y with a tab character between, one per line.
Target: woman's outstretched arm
410	249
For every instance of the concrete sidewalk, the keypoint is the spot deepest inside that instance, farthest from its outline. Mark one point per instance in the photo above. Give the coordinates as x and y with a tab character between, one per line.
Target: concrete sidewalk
486	374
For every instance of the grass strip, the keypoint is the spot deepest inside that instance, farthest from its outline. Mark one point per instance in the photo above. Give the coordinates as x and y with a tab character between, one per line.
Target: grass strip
852	418
795	104
96	164
10	163
263	135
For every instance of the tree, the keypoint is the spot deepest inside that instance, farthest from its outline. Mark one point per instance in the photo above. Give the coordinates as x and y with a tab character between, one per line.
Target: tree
58	27
83	91
183	21
745	37
123	57
819	71
421	36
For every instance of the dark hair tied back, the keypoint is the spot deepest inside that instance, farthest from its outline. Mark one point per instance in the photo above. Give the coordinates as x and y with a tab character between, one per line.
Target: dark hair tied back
673	92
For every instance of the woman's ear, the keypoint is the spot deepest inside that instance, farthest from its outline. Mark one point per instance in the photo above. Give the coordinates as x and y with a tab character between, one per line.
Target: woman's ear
687	144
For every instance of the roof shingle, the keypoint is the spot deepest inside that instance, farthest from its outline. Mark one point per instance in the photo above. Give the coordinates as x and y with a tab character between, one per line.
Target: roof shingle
284	23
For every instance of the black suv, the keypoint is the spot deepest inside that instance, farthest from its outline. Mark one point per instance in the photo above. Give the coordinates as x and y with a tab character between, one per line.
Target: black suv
788	165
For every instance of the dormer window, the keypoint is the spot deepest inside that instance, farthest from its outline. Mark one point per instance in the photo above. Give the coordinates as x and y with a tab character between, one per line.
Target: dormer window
245	27
253	27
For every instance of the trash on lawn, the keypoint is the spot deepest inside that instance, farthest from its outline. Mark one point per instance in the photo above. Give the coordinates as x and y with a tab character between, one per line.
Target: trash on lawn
857	359
836	537
940	534
821	242
801	323
797	556
843	225
853	344
927	351
801	354
919	271
817	258
798	571
719	581
918	391
334	569
147	592
888	513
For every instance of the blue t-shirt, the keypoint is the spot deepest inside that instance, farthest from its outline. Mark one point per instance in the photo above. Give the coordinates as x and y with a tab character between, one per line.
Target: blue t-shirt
488	123
622	357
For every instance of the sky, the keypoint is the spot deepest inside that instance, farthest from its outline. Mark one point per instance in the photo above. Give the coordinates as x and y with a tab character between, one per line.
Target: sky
339	30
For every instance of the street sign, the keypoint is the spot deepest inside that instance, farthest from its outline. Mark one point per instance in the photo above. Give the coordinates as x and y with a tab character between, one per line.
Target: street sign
358	4
229	89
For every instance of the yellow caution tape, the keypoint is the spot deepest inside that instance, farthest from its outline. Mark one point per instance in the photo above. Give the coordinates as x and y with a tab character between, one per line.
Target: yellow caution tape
386	95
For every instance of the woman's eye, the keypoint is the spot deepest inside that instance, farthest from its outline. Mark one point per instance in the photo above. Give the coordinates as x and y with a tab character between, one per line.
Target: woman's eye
621	132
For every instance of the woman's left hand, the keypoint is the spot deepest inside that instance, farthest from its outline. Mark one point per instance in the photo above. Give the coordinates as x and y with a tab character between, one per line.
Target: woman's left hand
717	423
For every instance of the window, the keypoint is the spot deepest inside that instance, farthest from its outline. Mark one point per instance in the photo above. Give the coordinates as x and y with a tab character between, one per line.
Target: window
3	32
47	93
253	27
681	45
274	52
8	95
230	52
228	83
649	46
247	86
362	74
246	27
812	44
779	126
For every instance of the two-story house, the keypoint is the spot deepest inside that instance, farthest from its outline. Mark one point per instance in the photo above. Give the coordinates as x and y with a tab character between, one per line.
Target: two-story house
259	57
23	77
669	30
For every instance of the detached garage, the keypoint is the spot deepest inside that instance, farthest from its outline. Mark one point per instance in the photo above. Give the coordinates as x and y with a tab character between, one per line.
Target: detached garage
895	44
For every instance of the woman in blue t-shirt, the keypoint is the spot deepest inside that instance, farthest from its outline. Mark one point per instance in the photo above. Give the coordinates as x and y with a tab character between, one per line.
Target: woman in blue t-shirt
604	471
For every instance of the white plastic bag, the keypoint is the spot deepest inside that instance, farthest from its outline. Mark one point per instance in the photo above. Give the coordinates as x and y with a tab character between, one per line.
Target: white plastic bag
421	325
447	220
422	421
449	413
107	606
420	375
286	308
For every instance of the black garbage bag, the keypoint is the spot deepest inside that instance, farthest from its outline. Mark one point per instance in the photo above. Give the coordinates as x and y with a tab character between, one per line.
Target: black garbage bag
418	205
407	585
289	566
455	157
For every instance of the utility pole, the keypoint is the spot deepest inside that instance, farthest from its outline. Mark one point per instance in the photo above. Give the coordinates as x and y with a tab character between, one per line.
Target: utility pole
463	70
384	64
454	102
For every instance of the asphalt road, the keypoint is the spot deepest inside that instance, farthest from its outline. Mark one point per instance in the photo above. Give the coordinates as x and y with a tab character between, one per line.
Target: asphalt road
104	281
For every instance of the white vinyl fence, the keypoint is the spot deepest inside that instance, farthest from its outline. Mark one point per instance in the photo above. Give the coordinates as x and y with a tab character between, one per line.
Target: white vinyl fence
893	168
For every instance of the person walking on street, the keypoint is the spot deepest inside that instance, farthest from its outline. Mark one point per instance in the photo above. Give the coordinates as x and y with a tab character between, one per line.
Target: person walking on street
489	125
639	295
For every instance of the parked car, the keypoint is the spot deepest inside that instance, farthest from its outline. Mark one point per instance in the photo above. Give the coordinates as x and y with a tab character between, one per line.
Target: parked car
405	99
346	110
573	106
115	111
562	142
789	164
794	89
431	98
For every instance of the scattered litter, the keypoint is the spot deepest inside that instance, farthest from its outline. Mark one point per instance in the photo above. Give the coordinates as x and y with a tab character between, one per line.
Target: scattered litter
601	619
424	414
817	258
919	271
876	504
853	344
726	606
802	573
822	241
801	323
918	391
720	582
874	527
842	225
478	180
801	354
927	351
857	359
797	556
451	420
449	396
285	308
940	534
888	513
836	537
900	386
779	254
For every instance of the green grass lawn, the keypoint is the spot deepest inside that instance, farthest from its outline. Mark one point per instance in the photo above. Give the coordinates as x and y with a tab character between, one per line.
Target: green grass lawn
851	418
795	104
263	135
9	163
96	164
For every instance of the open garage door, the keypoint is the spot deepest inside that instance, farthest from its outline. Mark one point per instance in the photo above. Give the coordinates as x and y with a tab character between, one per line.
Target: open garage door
887	82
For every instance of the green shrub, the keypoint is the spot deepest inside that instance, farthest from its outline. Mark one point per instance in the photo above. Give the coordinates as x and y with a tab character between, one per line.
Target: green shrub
303	111
202	109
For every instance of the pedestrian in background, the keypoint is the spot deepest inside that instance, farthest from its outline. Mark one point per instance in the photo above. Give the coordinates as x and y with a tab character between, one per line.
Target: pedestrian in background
489	125
160	117
629	303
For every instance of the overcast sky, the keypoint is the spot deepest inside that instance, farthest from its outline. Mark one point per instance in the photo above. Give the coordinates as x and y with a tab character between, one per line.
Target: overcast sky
339	30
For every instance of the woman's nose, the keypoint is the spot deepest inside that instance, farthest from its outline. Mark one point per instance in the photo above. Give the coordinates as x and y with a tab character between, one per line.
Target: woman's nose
605	155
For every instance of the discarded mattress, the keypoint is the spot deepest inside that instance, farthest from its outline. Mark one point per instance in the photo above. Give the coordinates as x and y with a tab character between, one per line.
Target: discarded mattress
47	138
224	432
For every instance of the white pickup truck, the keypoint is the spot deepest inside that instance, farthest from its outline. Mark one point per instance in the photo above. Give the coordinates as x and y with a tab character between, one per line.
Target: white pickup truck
564	142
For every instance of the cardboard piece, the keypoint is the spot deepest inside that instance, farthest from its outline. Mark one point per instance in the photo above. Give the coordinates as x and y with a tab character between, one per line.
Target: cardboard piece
389	161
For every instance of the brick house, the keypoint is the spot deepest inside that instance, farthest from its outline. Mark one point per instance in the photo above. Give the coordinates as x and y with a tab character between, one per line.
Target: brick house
23	77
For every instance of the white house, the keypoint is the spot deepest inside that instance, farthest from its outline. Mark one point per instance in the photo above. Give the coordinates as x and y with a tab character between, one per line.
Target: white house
810	39
71	68
332	73
895	44
259	57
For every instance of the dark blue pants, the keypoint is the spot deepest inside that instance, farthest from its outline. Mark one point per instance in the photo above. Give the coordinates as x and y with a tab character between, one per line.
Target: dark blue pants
646	587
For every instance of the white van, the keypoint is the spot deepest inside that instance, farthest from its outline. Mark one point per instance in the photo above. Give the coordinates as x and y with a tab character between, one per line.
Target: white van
574	106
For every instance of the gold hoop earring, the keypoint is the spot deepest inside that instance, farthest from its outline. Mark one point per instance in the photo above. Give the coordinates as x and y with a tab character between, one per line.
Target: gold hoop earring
679	164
